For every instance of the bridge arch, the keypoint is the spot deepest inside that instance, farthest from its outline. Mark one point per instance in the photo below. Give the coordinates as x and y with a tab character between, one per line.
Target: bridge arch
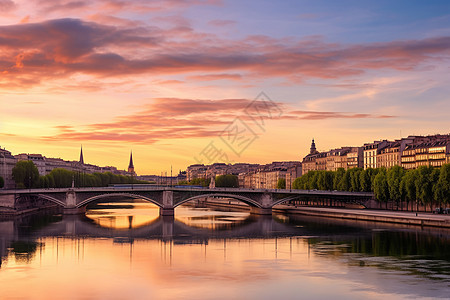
279	201
128	195
244	199
52	199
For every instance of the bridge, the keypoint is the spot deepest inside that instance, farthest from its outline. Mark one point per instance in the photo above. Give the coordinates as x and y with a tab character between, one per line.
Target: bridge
261	201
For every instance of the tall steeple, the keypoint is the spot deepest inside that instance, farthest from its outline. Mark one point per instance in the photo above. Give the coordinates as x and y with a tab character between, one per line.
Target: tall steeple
131	165
81	155
313	148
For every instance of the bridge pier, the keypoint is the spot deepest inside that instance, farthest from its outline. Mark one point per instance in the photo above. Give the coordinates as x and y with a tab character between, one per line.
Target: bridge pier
164	211
261	211
74	210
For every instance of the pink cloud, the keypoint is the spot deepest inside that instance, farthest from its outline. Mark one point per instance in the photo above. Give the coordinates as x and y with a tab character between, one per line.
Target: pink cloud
212	77
174	118
74	46
7	5
222	23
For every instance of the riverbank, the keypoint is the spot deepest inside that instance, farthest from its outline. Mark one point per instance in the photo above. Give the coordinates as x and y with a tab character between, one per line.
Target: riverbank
373	215
11	213
400	217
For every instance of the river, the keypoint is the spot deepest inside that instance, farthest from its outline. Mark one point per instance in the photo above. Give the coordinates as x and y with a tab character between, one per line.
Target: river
126	251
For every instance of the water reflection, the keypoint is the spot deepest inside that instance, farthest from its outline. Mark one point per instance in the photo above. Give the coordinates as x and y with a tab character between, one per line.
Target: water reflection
122	253
117	215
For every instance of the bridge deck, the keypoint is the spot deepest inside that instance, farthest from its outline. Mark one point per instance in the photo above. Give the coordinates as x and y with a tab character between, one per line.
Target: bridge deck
137	188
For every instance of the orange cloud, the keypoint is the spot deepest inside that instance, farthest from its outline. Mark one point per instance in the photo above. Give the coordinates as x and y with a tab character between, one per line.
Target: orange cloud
174	118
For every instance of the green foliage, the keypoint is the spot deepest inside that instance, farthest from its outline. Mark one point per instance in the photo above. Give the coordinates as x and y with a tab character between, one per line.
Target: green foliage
183	182
394	177
325	180
442	189
62	178
354	174
227	181
344	184
2	182
338	177
364	181
408	185
200	181
424	184
25	174
281	184
380	187
297	184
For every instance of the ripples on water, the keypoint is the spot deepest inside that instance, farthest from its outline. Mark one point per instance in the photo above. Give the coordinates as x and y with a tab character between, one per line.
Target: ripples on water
127	251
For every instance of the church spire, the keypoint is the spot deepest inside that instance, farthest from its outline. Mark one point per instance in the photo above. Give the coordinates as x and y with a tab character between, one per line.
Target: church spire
131	165
81	155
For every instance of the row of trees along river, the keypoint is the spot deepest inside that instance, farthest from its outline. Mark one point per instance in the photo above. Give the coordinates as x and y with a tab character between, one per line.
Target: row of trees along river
26	175
425	185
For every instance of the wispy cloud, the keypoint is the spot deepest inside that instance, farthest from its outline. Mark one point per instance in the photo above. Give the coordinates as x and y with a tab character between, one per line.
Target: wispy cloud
174	118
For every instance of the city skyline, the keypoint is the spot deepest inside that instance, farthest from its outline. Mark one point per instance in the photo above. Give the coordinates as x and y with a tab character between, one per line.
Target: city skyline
167	78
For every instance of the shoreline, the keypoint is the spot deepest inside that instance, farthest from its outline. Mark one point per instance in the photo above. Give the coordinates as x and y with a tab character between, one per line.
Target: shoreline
398	217
382	216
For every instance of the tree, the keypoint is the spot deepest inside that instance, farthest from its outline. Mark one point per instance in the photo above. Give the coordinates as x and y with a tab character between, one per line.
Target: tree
299	183
394	176
25	174
281	184
201	181
373	173
354	173
329	179
442	188
408	186
344	183
380	188
227	181
2	182
313	178
337	178
364	180
424	185
63	178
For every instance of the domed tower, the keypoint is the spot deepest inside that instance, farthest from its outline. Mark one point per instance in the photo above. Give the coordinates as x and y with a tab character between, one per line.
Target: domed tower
313	149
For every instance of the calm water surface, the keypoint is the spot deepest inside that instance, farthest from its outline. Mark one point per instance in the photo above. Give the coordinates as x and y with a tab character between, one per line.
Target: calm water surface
127	251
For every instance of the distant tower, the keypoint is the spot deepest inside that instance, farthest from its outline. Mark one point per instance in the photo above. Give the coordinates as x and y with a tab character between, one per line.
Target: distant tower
313	149
131	166
81	156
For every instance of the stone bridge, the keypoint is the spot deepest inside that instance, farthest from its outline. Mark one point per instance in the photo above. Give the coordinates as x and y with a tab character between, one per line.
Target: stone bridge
261	201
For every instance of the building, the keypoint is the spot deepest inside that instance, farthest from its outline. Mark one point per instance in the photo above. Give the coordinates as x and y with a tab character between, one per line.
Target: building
434	154
37	159
371	151
309	161
7	163
293	173
196	171
345	157
355	158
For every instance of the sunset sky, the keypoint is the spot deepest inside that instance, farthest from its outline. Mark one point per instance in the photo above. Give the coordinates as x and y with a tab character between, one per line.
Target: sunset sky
171	79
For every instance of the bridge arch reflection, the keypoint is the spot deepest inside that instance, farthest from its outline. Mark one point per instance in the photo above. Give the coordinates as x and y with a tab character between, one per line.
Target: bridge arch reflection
243	199
116	195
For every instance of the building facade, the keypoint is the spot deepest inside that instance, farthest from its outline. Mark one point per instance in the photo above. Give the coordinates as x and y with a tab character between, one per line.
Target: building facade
7	163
